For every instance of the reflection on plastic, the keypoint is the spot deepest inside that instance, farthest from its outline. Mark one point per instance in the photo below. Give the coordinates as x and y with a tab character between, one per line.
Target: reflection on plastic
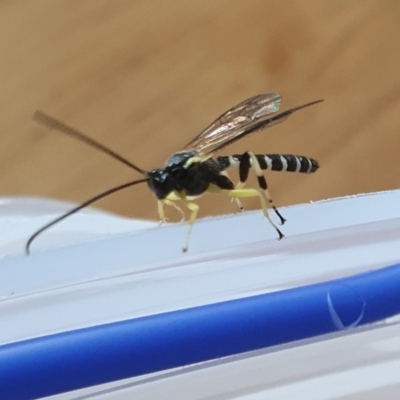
346	307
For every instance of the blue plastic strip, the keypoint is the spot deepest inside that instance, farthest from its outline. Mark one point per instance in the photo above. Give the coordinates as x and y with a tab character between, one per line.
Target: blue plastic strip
72	360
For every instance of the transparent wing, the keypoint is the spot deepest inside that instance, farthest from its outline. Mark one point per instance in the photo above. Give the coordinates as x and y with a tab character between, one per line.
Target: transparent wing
233	122
249	116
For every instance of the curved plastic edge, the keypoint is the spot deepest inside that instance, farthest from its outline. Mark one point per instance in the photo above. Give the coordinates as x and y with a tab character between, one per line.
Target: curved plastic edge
77	359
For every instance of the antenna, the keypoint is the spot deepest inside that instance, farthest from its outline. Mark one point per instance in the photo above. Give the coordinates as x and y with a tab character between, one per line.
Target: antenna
78	208
53	123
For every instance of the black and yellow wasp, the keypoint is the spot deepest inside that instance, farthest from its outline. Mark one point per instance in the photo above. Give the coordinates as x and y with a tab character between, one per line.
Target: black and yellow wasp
194	171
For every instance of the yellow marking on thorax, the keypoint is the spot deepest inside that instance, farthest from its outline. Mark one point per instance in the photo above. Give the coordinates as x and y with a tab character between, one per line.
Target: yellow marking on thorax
196	159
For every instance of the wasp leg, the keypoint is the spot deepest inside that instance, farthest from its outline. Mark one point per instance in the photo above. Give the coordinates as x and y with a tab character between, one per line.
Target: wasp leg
248	193
173	204
249	160
194	209
235	199
161	213
238	203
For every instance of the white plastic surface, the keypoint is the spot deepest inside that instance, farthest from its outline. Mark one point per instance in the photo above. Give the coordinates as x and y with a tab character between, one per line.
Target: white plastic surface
116	269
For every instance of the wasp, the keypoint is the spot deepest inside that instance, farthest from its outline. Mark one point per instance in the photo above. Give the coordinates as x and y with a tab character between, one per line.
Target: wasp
194	171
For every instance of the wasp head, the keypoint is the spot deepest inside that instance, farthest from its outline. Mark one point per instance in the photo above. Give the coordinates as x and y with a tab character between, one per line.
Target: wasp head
160	182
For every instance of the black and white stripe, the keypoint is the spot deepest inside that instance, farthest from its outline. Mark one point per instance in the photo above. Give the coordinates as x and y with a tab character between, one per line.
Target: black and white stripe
273	162
287	162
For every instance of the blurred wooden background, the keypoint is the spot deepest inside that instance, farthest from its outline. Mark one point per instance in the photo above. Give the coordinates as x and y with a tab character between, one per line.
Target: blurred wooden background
144	77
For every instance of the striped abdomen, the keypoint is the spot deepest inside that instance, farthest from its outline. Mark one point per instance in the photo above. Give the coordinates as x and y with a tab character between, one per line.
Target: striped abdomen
273	162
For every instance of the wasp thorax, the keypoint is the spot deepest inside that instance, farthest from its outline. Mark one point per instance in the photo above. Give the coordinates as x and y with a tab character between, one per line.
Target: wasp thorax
179	159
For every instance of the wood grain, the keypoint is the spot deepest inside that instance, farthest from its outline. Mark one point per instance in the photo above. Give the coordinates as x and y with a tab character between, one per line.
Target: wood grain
143	77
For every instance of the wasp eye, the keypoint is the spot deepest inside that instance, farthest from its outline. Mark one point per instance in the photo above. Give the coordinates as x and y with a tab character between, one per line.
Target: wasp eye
160	176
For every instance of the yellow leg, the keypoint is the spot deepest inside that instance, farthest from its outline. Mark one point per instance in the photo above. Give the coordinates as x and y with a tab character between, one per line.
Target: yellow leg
238	203
240	185
194	209
161	213
235	199
172	204
248	193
